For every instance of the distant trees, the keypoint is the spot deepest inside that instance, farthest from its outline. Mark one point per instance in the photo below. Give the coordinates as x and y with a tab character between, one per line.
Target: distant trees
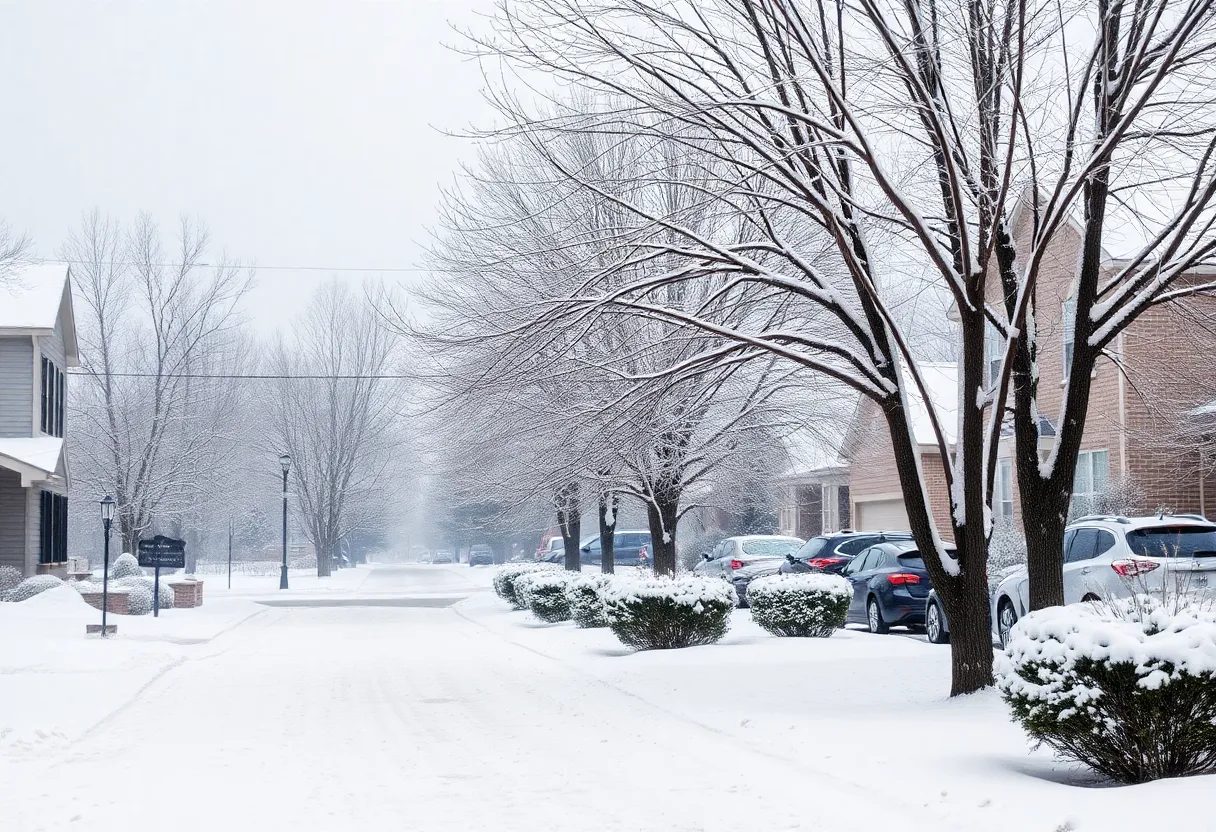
15	249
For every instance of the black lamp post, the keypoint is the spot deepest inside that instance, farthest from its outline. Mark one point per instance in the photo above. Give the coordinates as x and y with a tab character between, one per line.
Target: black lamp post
107	517
285	463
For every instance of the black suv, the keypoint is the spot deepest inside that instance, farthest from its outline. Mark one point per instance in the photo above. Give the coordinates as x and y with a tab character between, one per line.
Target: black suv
830	552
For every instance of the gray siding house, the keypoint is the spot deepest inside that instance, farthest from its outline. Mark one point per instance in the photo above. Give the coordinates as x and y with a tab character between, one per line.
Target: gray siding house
37	346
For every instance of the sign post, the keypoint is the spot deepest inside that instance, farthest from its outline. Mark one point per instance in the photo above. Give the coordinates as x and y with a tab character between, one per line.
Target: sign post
157	552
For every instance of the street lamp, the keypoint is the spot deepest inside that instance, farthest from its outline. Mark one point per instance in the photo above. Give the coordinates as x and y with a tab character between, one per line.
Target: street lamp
285	464
107	517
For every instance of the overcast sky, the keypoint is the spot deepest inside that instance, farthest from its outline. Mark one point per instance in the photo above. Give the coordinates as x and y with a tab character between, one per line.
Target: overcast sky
303	132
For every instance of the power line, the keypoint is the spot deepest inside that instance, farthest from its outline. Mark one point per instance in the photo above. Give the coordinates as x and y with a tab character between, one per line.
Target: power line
81	371
257	266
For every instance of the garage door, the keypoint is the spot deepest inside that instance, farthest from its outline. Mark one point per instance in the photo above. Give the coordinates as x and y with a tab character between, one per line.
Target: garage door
881	515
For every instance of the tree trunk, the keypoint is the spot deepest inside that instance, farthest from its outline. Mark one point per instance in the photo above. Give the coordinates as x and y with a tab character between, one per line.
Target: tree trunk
609	505
569	520
325	561
662	510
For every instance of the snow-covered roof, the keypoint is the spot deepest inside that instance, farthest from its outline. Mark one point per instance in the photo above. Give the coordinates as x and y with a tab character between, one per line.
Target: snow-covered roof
35	458
941	383
33	296
809	454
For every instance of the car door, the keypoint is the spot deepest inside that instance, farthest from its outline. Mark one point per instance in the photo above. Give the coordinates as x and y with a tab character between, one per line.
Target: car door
853	573
709	566
1079	551
721	563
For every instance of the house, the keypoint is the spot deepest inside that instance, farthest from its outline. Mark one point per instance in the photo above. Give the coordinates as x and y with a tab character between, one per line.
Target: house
1139	426
814	497
37	346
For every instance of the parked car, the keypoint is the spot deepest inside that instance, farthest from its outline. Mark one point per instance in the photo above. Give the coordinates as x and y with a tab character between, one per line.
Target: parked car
552	552
442	556
481	556
629	548
743	577
831	552
1109	557
734	553
937	624
890	586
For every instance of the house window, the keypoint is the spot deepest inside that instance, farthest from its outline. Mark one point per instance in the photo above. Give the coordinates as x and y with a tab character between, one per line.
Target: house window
994	351
53	385
1070	318
829	521
1002	498
1089	481
54	528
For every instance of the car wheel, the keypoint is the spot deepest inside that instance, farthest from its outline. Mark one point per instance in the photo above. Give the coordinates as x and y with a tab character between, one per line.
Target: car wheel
874	618
933	625
1005	619
1090	597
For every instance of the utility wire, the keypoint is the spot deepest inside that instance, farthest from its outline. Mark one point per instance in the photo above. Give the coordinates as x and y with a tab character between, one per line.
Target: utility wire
80	371
255	266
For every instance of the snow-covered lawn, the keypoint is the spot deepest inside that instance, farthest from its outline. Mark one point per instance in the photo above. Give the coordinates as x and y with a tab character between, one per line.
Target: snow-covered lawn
870	710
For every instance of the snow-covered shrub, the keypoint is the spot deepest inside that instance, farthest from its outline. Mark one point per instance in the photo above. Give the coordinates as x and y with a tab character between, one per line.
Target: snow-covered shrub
30	587
504	580
1129	689
10	578
545	594
125	566
139	595
586	596
147	585
659	613
800	605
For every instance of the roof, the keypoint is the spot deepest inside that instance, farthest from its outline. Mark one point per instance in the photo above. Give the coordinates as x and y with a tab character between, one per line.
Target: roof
941	383
809	455
35	458
34	298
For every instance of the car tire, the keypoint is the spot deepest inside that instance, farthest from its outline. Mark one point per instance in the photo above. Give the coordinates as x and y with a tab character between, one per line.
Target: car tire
934	628
1089	598
1006	617
874	618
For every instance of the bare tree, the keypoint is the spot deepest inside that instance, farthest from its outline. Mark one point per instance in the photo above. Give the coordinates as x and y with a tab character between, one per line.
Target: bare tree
334	413
15	251
154	323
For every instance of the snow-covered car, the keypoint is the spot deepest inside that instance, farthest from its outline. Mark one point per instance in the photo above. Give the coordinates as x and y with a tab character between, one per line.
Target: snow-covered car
1109	557
481	555
442	557
743	577
734	553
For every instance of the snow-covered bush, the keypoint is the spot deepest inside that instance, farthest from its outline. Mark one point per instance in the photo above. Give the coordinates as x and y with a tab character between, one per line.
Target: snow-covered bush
10	579
139	595
125	566
1128	689
800	605
586	596
504	580
660	613
30	587
147	585
545	594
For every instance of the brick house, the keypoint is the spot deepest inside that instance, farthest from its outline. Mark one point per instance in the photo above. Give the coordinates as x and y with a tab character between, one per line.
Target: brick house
37	345
1138	426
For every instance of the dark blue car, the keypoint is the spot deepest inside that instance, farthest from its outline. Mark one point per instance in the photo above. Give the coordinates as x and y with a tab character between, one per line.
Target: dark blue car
890	585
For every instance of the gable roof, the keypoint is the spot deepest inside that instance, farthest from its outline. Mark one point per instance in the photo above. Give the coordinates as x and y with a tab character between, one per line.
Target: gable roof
941	383
35	299
35	458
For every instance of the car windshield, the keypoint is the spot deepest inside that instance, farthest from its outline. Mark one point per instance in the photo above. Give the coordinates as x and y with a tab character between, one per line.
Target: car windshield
556	544
812	547
1174	542
777	547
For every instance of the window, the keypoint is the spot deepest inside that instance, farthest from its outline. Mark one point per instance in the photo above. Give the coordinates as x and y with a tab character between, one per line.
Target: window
1089	481
1106	541
1083	546
852	547
1175	541
994	351
1070	316
1002	498
53	384
54	528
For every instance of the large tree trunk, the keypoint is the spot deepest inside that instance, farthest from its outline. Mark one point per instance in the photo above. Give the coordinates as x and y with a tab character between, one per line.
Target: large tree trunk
569	520
325	559
662	511
609	505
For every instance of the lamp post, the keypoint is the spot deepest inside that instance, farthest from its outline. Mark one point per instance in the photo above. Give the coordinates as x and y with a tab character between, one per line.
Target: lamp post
285	464
107	517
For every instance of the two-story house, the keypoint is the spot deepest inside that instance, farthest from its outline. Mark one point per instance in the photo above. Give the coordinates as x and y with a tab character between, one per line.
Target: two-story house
37	346
1142	401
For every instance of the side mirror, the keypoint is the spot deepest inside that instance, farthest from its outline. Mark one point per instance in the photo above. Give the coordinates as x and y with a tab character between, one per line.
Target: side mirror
586	549
791	558
706	556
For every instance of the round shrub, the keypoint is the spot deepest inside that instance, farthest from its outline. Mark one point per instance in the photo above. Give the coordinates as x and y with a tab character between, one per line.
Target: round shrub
10	579
545	594
1128	688
505	577
125	566
660	613
586	596
30	587
800	605
147	585
139	596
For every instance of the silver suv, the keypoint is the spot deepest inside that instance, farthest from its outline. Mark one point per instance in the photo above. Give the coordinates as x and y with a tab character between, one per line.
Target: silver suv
1113	557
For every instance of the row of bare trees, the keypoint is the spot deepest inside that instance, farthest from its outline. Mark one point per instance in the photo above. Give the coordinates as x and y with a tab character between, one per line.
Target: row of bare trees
754	168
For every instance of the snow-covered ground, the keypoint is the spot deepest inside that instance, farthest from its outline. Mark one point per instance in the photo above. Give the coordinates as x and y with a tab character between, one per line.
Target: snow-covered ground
473	717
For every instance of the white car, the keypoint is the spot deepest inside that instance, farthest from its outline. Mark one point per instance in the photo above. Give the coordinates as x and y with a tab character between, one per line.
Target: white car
1109	557
737	552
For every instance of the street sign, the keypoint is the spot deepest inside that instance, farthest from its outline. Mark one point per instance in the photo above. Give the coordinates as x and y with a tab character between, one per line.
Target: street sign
162	552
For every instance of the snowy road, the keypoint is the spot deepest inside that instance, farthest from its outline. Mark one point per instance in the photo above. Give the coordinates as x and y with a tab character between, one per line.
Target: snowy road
400	717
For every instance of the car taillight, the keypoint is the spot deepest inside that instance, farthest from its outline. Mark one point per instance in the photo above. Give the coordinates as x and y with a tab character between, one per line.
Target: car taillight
1131	567
823	563
901	578
736	564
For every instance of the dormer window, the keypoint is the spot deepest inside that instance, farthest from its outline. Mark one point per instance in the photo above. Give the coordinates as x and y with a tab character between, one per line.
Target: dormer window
52	398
